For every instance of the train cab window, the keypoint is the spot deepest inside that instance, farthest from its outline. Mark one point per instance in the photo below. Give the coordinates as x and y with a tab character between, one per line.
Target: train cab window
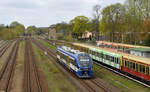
147	70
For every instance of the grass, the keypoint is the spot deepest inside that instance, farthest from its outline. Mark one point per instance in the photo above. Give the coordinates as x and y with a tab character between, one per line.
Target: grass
121	82
57	82
47	44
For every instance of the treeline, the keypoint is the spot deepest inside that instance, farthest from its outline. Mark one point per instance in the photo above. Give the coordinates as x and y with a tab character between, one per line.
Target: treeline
126	23
14	30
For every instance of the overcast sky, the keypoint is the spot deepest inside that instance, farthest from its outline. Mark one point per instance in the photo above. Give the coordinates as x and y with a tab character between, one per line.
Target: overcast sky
43	13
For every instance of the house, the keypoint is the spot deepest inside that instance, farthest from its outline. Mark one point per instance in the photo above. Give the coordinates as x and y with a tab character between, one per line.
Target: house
52	32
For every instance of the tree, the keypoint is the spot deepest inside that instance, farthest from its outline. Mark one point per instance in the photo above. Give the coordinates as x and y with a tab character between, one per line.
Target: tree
113	20
31	30
96	20
80	25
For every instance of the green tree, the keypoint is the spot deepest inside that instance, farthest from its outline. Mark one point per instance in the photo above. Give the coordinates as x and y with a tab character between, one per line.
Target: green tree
31	30
80	25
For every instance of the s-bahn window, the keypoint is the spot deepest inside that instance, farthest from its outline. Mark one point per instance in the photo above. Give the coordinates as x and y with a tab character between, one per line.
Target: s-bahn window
112	59
133	66
104	56
140	68
125	63
117	61
91	52
130	64
97	53
137	67
147	70
143	68
107	57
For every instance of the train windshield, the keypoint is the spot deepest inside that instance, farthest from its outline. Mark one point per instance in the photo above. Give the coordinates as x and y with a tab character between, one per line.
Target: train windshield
84	60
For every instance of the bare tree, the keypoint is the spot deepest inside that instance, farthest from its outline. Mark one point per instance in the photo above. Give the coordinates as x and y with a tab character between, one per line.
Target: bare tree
96	20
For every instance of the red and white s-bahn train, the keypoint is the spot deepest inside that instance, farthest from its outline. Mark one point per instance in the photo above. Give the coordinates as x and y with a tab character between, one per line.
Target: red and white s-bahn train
136	67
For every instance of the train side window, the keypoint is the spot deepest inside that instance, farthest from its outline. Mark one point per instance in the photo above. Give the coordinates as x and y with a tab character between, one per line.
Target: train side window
102	55
125	63
128	64
94	53
143	69
108	57
112	59
137	67
91	52
140	66
117	59
99	54
133	66
105	57
147	70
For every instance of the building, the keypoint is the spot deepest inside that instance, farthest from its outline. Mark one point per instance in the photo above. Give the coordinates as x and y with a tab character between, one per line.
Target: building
145	52
52	32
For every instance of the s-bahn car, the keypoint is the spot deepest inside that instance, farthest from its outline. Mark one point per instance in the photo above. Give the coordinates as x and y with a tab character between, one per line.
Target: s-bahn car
136	67
79	62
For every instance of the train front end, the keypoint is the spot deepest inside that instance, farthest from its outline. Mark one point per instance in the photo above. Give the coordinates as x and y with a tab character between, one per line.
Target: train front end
85	65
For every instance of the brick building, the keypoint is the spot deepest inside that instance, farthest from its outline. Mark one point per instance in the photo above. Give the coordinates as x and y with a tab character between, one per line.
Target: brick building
52	32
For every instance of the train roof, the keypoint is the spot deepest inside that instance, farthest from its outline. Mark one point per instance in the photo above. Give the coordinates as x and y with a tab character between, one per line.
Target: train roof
141	49
121	44
70	50
135	58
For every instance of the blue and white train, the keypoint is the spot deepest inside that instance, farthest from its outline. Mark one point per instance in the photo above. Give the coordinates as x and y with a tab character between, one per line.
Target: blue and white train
79	62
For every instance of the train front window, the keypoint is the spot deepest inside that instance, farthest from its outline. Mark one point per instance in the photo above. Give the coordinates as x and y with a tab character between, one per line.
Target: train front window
84	61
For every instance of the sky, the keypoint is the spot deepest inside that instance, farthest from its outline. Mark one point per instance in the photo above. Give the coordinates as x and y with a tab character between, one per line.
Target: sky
43	13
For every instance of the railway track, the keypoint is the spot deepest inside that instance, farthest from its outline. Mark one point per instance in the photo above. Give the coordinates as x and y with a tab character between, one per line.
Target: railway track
32	79
4	48
92	85
6	73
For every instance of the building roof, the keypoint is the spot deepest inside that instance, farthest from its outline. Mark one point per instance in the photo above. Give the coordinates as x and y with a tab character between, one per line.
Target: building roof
141	49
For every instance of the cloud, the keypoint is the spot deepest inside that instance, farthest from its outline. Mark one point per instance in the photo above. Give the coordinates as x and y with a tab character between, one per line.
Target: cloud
47	12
